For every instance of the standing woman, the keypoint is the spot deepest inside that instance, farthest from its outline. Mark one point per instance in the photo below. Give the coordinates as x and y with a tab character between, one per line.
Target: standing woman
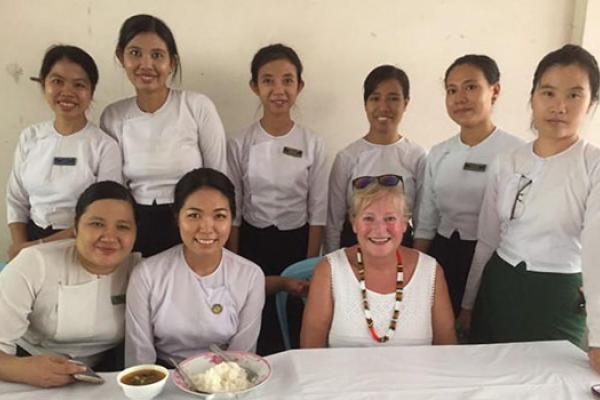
457	170
56	160
278	169
163	133
382	151
539	203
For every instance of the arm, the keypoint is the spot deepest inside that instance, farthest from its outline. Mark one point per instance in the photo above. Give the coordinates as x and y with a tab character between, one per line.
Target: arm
293	286
591	273
110	165
250	316
234	171
211	137
17	201
337	207
429	214
315	235
318	311
47	370
441	312
419	178
20	229
139	332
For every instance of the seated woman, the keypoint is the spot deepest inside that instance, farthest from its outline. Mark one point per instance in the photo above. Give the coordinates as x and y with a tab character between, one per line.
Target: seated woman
197	293
377	292
67	298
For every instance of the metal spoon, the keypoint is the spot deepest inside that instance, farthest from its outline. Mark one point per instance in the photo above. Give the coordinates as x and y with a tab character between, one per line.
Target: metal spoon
188	381
251	375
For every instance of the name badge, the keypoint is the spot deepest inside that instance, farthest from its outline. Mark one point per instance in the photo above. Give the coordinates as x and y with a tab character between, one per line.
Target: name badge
292	152
117	299
474	167
65	161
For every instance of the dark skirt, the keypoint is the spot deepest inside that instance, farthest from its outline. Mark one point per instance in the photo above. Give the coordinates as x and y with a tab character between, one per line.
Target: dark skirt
35	232
454	256
157	229
273	250
516	305
348	237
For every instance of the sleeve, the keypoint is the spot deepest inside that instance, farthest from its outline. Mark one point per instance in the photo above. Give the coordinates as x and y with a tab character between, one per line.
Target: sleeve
107	125
419	181
250	315
590	237
337	207
110	166
429	214
488	236
17	198
317	186
235	173
20	282
211	137
139	332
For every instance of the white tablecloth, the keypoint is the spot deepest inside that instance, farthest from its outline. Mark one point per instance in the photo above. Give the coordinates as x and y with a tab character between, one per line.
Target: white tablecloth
515	371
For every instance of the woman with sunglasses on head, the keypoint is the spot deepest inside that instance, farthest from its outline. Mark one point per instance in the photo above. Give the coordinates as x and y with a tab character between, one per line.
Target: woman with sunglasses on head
457	170
279	170
377	292
163	132
67	298
56	160
540	202
197	293
383	150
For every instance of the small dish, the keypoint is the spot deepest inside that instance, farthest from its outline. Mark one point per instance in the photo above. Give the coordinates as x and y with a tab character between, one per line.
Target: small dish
143	391
200	363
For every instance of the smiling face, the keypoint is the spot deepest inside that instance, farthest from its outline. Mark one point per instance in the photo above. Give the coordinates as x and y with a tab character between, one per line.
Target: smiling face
380	225
105	234
469	96
147	62
385	107
561	101
277	86
68	90
204	224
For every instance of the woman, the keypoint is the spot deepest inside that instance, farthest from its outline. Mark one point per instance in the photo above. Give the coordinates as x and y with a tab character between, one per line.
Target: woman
457	170
377	292
56	160
197	293
278	169
539	202
67	298
163	133
383	150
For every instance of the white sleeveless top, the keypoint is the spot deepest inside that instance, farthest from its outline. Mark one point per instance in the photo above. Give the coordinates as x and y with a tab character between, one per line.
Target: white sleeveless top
349	327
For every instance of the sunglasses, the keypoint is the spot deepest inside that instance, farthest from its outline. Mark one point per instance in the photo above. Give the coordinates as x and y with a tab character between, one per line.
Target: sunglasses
384	180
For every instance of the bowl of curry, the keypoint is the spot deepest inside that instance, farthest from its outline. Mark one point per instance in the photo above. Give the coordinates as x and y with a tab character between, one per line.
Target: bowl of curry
143	382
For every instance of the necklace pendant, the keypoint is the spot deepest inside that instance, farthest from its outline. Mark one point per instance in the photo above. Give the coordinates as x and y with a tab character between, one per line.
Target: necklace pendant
216	309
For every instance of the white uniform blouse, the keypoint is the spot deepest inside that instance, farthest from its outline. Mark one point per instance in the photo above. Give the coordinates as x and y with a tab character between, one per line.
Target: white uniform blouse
159	148
50	303
279	181
170	309
537	210
454	184
363	158
51	170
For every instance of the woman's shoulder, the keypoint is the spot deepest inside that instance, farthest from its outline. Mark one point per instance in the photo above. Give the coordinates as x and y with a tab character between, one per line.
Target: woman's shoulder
119	108
35	132
159	265
241	265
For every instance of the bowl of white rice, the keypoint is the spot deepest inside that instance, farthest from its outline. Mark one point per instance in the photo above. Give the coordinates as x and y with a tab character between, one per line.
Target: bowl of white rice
214	376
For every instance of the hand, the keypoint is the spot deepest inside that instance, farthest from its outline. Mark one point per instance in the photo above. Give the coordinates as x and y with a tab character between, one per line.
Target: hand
15	248
48	370
464	318
296	287
594	356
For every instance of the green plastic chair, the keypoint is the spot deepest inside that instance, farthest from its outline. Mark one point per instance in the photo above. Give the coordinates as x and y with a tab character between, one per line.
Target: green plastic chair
299	270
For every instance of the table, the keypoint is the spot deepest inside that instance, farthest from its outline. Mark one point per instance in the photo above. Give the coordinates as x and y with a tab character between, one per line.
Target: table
514	371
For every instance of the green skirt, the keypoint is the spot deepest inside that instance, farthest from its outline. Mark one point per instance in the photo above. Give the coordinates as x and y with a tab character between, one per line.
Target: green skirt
516	305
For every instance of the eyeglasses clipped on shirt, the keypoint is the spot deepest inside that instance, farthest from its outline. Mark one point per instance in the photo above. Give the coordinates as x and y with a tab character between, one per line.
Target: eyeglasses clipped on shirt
384	180
519	205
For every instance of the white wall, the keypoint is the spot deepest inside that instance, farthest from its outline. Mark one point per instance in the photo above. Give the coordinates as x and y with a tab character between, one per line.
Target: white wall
339	42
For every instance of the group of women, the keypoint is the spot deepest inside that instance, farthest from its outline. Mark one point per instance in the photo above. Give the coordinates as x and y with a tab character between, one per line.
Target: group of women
505	220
